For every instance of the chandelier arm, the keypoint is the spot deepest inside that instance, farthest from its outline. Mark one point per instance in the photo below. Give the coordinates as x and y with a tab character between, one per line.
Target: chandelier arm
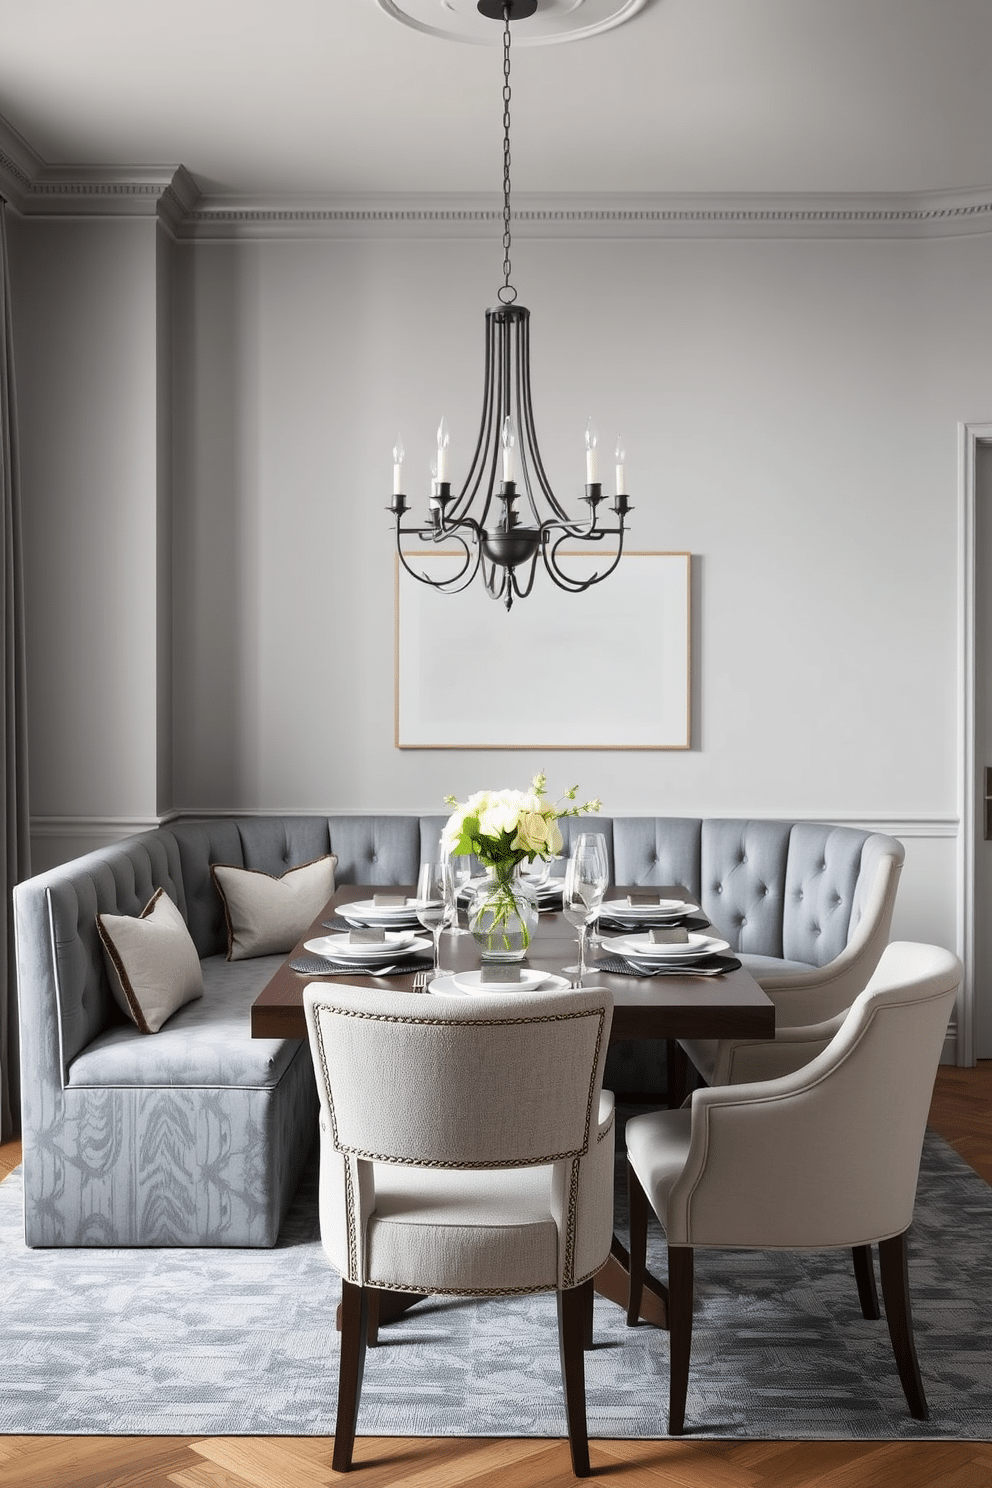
501	590
477	468
456	581
566	581
529	432
523	590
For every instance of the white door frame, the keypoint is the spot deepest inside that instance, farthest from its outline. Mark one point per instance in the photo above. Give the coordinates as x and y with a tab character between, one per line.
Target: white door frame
970	436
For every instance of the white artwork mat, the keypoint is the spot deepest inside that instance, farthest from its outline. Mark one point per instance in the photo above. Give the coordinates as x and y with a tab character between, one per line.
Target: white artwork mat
603	669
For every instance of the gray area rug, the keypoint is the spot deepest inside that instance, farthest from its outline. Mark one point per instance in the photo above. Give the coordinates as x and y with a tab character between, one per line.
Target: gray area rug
243	1342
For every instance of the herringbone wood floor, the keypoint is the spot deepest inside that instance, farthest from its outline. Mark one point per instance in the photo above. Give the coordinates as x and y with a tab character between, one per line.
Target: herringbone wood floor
961	1112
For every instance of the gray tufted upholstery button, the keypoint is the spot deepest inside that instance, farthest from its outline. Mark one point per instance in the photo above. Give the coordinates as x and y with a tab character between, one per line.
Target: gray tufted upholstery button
719	888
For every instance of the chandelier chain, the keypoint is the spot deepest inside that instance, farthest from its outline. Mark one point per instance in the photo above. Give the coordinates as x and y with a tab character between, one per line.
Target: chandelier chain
507	293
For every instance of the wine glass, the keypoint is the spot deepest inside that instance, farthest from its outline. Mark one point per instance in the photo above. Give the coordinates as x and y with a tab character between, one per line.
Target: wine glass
461	871
592	845
581	898
435	903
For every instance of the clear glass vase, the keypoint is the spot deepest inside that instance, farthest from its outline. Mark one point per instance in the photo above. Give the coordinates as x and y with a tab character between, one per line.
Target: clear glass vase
502	915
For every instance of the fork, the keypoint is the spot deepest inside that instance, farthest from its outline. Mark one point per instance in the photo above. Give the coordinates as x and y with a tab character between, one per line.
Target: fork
422	980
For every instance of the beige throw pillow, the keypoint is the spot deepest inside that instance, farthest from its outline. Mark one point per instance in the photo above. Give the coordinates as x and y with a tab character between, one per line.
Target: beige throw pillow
267	915
151	962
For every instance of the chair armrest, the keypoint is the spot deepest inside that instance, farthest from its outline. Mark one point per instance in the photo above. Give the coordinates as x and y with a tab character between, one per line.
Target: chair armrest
742	1061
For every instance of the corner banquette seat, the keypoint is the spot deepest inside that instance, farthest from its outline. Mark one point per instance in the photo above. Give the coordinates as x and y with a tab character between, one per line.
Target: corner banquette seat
197	1135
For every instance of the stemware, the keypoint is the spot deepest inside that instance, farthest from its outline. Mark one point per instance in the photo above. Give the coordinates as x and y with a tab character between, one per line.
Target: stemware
585	885
592	845
435	903
461	871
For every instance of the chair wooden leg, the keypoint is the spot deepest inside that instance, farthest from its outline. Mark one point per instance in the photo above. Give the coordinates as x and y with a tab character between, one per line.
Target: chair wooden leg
573	1311
864	1275
680	1332
894	1266
587	1338
637	1260
354	1336
373	1297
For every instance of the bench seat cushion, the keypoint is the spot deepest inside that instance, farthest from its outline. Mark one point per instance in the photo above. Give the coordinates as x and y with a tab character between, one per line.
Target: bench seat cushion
206	1043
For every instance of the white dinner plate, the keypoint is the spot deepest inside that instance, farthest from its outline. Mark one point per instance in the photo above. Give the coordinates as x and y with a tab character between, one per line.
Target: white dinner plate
459	986
644	949
530	980
665	909
341	948
365	909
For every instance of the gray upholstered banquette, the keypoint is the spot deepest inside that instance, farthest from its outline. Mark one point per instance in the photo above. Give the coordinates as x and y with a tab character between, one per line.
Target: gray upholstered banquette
197	1135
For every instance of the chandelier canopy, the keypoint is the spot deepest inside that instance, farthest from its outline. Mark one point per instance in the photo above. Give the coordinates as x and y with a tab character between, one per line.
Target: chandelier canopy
506	517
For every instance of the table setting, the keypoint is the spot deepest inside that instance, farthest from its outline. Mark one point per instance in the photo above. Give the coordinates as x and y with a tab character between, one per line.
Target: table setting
370	937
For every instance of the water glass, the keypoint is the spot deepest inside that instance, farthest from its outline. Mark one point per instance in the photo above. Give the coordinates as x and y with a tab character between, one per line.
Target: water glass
435	903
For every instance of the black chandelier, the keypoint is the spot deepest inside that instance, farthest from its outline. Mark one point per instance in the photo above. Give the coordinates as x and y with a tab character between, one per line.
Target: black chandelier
507	479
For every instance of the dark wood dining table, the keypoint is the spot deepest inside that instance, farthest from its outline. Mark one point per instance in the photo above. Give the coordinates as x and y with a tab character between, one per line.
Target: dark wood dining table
669	1007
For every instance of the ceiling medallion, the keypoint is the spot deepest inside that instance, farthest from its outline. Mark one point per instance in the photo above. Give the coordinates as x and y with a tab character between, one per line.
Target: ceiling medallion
470	20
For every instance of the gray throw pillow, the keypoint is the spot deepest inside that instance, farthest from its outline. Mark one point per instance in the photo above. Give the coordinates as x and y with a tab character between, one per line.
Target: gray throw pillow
151	962
267	915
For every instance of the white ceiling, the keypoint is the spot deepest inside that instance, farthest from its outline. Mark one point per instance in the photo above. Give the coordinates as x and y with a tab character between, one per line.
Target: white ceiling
319	97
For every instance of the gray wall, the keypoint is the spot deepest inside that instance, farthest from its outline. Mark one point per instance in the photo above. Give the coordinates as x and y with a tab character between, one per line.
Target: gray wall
212	628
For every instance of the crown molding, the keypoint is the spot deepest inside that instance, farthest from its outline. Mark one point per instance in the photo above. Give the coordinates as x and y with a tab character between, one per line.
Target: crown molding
36	188
931	214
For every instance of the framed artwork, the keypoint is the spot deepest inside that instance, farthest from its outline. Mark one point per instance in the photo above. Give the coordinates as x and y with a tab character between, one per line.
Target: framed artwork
604	669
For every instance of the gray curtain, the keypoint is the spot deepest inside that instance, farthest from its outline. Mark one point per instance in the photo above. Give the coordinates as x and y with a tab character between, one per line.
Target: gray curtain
15	864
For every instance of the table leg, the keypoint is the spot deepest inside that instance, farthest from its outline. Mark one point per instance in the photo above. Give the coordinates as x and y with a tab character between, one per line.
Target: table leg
677	1069
612	1282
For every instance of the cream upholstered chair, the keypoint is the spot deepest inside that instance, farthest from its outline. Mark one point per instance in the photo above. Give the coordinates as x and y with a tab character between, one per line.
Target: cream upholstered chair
467	1150
826	1157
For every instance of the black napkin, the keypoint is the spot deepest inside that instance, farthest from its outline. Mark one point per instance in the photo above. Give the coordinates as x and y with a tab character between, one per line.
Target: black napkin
715	965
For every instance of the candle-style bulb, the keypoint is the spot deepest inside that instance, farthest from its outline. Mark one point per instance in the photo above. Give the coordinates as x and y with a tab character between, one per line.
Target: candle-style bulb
443	441
399	454
620	456
508	439
592	455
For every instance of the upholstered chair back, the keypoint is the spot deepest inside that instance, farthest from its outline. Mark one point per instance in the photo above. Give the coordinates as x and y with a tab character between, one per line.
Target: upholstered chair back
474	1085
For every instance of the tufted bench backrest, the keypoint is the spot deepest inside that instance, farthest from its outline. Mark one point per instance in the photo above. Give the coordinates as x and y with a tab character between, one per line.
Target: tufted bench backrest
65	996
795	890
792	890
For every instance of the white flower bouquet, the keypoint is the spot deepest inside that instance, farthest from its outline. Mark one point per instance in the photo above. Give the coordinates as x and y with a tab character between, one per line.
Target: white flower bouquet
502	828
